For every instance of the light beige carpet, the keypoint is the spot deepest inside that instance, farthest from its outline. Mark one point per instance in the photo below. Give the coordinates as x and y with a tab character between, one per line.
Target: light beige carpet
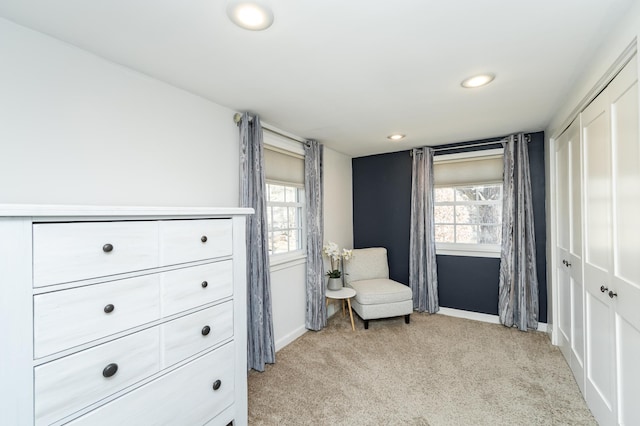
438	370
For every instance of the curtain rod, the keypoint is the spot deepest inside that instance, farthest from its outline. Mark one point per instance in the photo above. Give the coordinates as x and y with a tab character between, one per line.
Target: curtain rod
527	137
237	117
448	148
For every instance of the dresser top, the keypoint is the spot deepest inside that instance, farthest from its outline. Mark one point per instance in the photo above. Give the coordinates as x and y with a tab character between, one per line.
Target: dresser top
59	211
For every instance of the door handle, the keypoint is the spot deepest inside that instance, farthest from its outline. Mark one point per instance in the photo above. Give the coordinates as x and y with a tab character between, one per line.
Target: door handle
612	294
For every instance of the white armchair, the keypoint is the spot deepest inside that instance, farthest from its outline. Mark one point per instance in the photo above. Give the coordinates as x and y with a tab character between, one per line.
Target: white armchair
367	272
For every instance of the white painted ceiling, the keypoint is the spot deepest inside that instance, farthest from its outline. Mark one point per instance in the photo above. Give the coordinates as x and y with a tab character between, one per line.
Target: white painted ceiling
350	72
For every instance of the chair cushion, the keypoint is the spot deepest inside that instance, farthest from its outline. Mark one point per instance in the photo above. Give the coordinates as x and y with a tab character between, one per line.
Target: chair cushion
380	290
366	264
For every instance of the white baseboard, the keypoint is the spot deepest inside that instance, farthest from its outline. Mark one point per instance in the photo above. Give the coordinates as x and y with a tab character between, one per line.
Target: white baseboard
476	316
285	340
290	337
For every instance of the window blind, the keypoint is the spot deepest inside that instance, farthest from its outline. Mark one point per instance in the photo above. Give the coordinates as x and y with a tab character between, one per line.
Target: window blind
466	171
281	166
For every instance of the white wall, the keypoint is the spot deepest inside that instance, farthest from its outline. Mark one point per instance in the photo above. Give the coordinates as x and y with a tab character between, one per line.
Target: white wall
338	204
338	199
288	280
77	129
288	302
613	44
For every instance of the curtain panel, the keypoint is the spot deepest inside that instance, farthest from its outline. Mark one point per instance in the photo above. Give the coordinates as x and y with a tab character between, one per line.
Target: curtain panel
518	286
423	275
260	344
316	311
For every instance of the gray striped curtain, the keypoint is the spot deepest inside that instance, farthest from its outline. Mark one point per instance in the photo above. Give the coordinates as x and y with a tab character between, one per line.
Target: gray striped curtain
260	344
518	288
316	311
423	273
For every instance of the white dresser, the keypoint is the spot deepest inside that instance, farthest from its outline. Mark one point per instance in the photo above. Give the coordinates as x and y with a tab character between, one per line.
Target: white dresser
122	316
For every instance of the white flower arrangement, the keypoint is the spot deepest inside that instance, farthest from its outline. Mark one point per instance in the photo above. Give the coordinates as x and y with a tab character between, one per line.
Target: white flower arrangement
332	251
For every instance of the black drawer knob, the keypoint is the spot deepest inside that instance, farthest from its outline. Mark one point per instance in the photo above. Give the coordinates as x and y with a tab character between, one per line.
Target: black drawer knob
107	248
204	284
110	370
205	330
203	238
216	385
109	308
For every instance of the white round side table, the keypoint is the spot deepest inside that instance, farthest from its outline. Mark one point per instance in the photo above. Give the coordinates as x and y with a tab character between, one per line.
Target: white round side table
345	293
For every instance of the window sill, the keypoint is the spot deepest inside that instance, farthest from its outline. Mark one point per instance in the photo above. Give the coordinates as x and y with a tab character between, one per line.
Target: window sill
278	262
470	250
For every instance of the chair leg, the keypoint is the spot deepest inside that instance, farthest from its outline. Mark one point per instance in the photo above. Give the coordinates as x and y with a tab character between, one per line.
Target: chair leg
366	324
407	318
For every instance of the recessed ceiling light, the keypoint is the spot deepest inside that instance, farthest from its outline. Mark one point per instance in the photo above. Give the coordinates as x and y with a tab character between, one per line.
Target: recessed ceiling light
396	137
477	81
250	15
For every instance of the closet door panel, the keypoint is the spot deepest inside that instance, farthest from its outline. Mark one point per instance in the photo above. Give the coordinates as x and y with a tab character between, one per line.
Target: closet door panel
597	162
626	170
563	219
570	291
600	374
625	271
624	120
600	386
564	320
628	348
575	164
563	192
577	331
574	265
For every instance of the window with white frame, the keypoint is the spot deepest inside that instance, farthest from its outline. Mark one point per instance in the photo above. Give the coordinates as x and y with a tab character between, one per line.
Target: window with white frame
284	174
468	203
285	204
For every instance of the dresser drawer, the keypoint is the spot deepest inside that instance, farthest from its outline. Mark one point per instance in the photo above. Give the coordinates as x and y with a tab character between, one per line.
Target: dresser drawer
68	318
184	396
65	252
188	288
69	384
190	240
196	332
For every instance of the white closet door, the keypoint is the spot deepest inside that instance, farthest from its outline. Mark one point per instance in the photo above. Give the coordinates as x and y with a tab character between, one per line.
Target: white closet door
600	341
563	218
624	274
574	264
569	250
612	252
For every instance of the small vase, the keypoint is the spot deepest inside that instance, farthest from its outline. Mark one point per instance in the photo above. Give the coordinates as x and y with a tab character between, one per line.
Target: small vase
334	284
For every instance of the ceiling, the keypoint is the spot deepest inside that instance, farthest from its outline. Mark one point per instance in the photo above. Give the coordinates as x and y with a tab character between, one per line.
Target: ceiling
350	73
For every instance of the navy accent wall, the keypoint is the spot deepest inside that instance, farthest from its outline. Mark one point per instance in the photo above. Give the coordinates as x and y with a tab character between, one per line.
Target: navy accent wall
382	214
382	207
536	163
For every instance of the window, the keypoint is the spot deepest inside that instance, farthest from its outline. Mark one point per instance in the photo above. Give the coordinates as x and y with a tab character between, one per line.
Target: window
284	173
285	205
468	203
469	214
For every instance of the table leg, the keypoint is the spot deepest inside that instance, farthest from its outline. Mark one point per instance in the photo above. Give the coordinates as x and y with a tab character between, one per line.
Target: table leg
343	312
353	327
